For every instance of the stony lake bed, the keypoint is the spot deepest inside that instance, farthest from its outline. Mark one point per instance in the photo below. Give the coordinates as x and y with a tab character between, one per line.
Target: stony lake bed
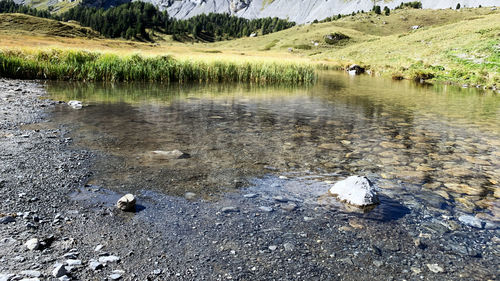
249	199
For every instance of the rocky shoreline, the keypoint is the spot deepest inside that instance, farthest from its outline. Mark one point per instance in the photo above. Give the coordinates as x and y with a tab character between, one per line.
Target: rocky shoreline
54	225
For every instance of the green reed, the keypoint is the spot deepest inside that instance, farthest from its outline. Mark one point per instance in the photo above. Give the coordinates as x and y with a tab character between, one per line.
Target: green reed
93	66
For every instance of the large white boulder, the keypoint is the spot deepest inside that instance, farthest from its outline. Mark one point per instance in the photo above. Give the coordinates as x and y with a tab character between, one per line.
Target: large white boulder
355	190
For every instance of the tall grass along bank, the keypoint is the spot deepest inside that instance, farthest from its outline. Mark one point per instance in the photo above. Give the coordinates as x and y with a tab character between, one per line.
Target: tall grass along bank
94	66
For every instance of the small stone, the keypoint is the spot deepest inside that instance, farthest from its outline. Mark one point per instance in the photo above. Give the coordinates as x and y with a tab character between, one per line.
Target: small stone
190	195
31	273
250	195
7	219
378	263
266	209
64	278
308	219
289	207
230	210
109	259
288	247
416	270
32	244
59	270
157	271
126	203
98	248
95	265
435	268
273	247
115	276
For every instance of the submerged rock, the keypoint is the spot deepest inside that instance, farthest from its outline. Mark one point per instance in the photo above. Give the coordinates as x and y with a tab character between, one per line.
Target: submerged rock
75	104
356	190
126	203
173	154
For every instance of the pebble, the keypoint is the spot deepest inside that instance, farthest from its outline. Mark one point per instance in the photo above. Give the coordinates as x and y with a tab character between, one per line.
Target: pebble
308	219
289	207
266	209
157	271
115	276
109	259
59	270
273	247
378	263
434	267
95	265
280	199
32	244
64	278
250	195
230	210
190	195
288	247
98	248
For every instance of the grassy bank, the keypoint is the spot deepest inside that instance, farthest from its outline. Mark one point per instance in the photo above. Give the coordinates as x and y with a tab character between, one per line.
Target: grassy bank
78	65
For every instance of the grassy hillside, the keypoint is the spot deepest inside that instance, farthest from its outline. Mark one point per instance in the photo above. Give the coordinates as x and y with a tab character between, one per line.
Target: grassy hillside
24	24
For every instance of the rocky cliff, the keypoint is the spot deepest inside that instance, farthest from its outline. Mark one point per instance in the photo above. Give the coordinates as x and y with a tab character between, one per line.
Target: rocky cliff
300	11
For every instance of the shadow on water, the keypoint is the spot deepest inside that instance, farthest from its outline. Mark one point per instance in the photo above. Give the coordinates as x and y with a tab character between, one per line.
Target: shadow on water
388	210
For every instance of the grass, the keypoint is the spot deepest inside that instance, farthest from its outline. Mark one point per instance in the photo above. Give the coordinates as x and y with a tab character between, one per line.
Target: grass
93	66
30	25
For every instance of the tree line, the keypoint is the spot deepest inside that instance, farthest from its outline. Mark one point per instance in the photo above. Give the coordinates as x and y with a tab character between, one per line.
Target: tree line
139	20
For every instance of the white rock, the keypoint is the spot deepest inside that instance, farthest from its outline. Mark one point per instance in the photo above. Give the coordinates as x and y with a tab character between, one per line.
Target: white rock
166	155
126	203
355	190
32	244
95	265
75	104
98	248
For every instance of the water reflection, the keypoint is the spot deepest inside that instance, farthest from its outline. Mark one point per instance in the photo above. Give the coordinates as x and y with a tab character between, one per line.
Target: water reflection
440	139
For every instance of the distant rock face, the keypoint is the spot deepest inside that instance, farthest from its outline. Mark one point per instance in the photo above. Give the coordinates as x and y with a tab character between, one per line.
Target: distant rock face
237	5
355	190
300	11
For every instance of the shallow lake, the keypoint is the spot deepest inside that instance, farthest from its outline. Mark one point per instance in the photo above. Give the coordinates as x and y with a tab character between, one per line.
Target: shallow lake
432	148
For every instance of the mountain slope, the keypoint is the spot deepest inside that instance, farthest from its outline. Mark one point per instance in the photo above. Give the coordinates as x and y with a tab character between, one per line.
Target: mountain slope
300	11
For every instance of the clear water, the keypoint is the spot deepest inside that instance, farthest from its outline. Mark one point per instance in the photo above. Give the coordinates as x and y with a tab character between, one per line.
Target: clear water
431	147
